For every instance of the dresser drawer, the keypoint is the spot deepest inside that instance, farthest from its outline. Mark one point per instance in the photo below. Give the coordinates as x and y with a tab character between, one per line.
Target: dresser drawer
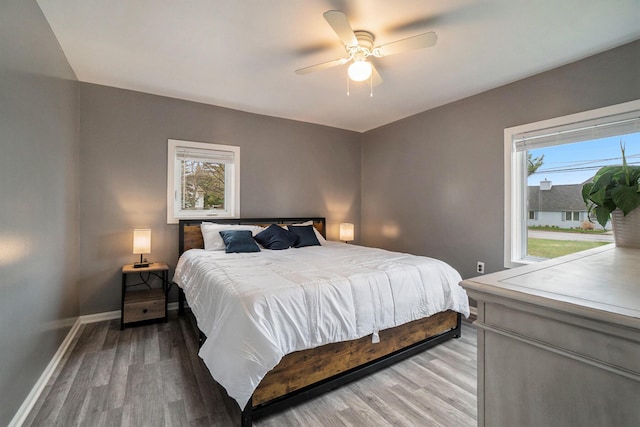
144	305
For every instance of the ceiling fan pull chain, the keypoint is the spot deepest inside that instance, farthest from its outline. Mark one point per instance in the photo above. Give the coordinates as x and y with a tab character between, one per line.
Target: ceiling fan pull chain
347	85
371	86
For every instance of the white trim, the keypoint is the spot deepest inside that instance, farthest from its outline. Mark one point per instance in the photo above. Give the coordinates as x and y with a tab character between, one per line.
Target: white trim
512	201
33	396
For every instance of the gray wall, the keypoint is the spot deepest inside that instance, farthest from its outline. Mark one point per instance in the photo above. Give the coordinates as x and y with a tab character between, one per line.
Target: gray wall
288	168
432	184
38	189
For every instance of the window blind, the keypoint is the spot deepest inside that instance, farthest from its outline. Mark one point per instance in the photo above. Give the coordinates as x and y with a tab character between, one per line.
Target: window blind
602	127
212	156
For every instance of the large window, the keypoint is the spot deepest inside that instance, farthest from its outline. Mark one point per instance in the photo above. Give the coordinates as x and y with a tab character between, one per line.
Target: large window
202	180
546	164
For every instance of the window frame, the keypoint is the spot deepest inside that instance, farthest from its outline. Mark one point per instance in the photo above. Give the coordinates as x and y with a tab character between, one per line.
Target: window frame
232	182
572	216
515	167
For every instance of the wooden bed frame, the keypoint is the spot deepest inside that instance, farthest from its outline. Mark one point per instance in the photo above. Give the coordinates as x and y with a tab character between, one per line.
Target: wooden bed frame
305	374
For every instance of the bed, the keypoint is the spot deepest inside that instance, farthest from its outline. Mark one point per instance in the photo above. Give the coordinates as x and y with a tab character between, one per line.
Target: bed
281	326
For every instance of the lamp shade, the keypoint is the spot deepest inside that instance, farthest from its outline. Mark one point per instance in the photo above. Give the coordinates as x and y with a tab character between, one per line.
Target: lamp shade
359	71
141	241
346	231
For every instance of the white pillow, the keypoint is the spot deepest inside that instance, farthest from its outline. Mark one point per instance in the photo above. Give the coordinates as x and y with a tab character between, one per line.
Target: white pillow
212	238
321	239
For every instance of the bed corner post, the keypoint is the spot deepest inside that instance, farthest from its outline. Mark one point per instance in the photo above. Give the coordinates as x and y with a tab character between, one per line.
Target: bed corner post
457	332
180	301
246	414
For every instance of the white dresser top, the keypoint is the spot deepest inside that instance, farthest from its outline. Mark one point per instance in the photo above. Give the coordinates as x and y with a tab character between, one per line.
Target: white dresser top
601	283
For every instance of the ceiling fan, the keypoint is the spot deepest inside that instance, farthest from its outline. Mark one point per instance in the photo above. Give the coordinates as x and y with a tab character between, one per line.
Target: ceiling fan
359	45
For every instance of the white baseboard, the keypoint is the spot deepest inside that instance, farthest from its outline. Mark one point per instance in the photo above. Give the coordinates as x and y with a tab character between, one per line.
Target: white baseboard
100	317
36	391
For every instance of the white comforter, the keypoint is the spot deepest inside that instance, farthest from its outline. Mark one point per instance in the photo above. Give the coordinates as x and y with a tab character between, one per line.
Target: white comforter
257	307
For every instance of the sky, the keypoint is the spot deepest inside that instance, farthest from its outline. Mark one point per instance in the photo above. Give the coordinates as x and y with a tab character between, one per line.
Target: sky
576	163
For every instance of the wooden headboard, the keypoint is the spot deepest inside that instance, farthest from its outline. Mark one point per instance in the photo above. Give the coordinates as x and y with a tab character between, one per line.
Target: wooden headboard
190	236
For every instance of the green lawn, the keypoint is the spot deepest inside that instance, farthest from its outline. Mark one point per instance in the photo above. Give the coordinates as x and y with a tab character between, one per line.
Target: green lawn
566	230
547	248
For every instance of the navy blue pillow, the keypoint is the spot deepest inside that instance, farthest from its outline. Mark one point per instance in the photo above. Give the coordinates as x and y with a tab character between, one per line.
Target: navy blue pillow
276	237
306	235
239	241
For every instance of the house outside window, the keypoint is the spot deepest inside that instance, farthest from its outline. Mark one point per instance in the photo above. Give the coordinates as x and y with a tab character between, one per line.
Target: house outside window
202	180
553	205
588	141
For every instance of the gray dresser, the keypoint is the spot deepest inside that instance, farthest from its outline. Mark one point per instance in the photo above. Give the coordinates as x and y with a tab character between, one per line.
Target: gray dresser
559	341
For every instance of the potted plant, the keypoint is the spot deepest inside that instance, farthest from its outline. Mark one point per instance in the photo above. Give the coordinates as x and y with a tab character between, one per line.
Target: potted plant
615	193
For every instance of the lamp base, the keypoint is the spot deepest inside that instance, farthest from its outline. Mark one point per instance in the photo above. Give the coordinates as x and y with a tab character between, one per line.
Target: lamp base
143	263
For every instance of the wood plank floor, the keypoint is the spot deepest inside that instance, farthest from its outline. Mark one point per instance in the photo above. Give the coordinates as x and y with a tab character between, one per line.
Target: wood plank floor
152	376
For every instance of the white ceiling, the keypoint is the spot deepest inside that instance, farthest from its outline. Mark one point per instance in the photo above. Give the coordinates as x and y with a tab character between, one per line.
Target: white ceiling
242	54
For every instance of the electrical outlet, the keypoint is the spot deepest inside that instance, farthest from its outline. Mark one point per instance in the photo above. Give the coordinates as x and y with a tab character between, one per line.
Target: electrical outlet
480	267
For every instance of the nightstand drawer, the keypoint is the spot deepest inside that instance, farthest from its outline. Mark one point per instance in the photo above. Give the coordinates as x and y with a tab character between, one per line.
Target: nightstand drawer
144	305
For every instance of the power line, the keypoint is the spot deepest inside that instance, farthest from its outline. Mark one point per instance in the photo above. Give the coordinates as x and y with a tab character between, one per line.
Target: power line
586	162
576	169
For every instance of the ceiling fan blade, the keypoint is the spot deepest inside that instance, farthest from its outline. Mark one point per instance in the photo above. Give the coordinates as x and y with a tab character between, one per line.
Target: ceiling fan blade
340	24
375	76
322	66
416	42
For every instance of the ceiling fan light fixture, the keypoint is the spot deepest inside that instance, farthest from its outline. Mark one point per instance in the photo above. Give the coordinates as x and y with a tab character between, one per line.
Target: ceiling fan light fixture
360	45
359	71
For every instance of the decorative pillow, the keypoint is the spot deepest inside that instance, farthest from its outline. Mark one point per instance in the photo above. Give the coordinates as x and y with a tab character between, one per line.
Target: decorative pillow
276	237
306	236
239	241
319	236
211	233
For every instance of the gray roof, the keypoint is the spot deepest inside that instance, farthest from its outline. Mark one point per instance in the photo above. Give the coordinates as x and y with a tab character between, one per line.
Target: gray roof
559	198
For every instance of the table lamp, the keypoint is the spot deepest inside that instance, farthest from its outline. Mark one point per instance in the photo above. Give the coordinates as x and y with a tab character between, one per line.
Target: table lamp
141	245
346	232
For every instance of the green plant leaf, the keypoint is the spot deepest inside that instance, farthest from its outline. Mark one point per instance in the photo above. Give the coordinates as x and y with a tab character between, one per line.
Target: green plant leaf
586	191
602	215
613	187
625	167
600	183
626	198
634	172
598	197
603	170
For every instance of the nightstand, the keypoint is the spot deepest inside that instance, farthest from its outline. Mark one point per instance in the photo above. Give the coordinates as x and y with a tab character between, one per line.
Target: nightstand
141	301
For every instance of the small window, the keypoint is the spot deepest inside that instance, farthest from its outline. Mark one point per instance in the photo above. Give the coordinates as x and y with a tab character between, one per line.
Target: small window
532	214
202	180
572	216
